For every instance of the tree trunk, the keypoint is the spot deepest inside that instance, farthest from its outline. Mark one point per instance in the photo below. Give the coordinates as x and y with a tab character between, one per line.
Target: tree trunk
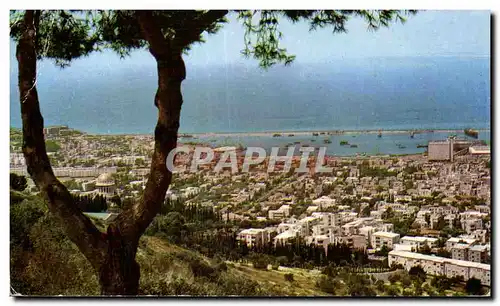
79	229
112	254
120	272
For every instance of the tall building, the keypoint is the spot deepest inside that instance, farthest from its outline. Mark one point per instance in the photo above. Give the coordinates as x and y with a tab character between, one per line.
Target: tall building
440	150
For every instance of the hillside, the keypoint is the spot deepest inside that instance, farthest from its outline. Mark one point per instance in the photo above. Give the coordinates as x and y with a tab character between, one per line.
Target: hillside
44	262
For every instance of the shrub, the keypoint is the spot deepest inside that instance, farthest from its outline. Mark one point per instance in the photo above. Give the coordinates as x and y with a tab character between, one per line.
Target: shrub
23	217
418	272
473	286
53	265
259	261
325	284
18	182
289	277
282	260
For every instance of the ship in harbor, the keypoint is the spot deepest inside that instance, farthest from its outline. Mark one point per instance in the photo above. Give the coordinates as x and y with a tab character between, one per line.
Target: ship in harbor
471	133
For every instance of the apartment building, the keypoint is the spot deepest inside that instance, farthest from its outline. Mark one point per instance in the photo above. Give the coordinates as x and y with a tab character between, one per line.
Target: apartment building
471	225
285	237
254	237
418	242
324	202
478	253
380	239
280	213
460	251
435	265
327	219
450	243
353	241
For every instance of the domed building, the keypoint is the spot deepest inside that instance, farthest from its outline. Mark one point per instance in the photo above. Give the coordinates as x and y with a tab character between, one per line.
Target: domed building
105	185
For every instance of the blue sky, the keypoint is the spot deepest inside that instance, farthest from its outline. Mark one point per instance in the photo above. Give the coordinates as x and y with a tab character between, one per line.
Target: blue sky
429	33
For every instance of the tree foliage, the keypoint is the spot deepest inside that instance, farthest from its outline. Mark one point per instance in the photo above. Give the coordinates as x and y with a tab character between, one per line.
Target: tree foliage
18	182
418	272
473	286
65	35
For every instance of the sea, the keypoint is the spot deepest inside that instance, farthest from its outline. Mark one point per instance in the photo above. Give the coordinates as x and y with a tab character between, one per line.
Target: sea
399	93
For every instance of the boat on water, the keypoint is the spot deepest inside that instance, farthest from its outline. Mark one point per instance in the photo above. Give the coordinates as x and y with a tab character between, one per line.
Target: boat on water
471	133
412	134
379	134
354	146
422	146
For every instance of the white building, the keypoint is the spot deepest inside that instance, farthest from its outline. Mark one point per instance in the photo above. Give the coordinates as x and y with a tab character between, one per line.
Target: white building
319	240
17	160
254	237
450	243
328	219
460	251
105	185
418	242
324	202
280	213
440	150
479	150
435	265
404	247
380	239
478	253
471	225
284	237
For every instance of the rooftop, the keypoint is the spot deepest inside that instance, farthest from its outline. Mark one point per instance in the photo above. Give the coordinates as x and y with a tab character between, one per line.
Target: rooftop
286	234
386	234
457	240
252	231
480	248
418	238
461	246
462	263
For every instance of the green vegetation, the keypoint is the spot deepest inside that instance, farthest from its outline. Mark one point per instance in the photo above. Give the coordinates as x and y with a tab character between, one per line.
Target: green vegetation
418	272
18	182
45	262
52	146
366	170
16	139
95	204
473	287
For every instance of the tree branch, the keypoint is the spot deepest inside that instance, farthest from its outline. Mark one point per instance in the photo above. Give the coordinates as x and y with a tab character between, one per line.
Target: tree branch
158	45
77	226
133	221
193	29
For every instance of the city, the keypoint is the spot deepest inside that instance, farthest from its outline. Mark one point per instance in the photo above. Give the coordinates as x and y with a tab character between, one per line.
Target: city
428	210
250	153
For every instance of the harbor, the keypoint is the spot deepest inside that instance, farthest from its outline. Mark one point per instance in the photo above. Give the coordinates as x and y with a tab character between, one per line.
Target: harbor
339	143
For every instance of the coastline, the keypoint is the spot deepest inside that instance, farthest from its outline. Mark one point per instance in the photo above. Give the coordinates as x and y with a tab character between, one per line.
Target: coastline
322	133
288	133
